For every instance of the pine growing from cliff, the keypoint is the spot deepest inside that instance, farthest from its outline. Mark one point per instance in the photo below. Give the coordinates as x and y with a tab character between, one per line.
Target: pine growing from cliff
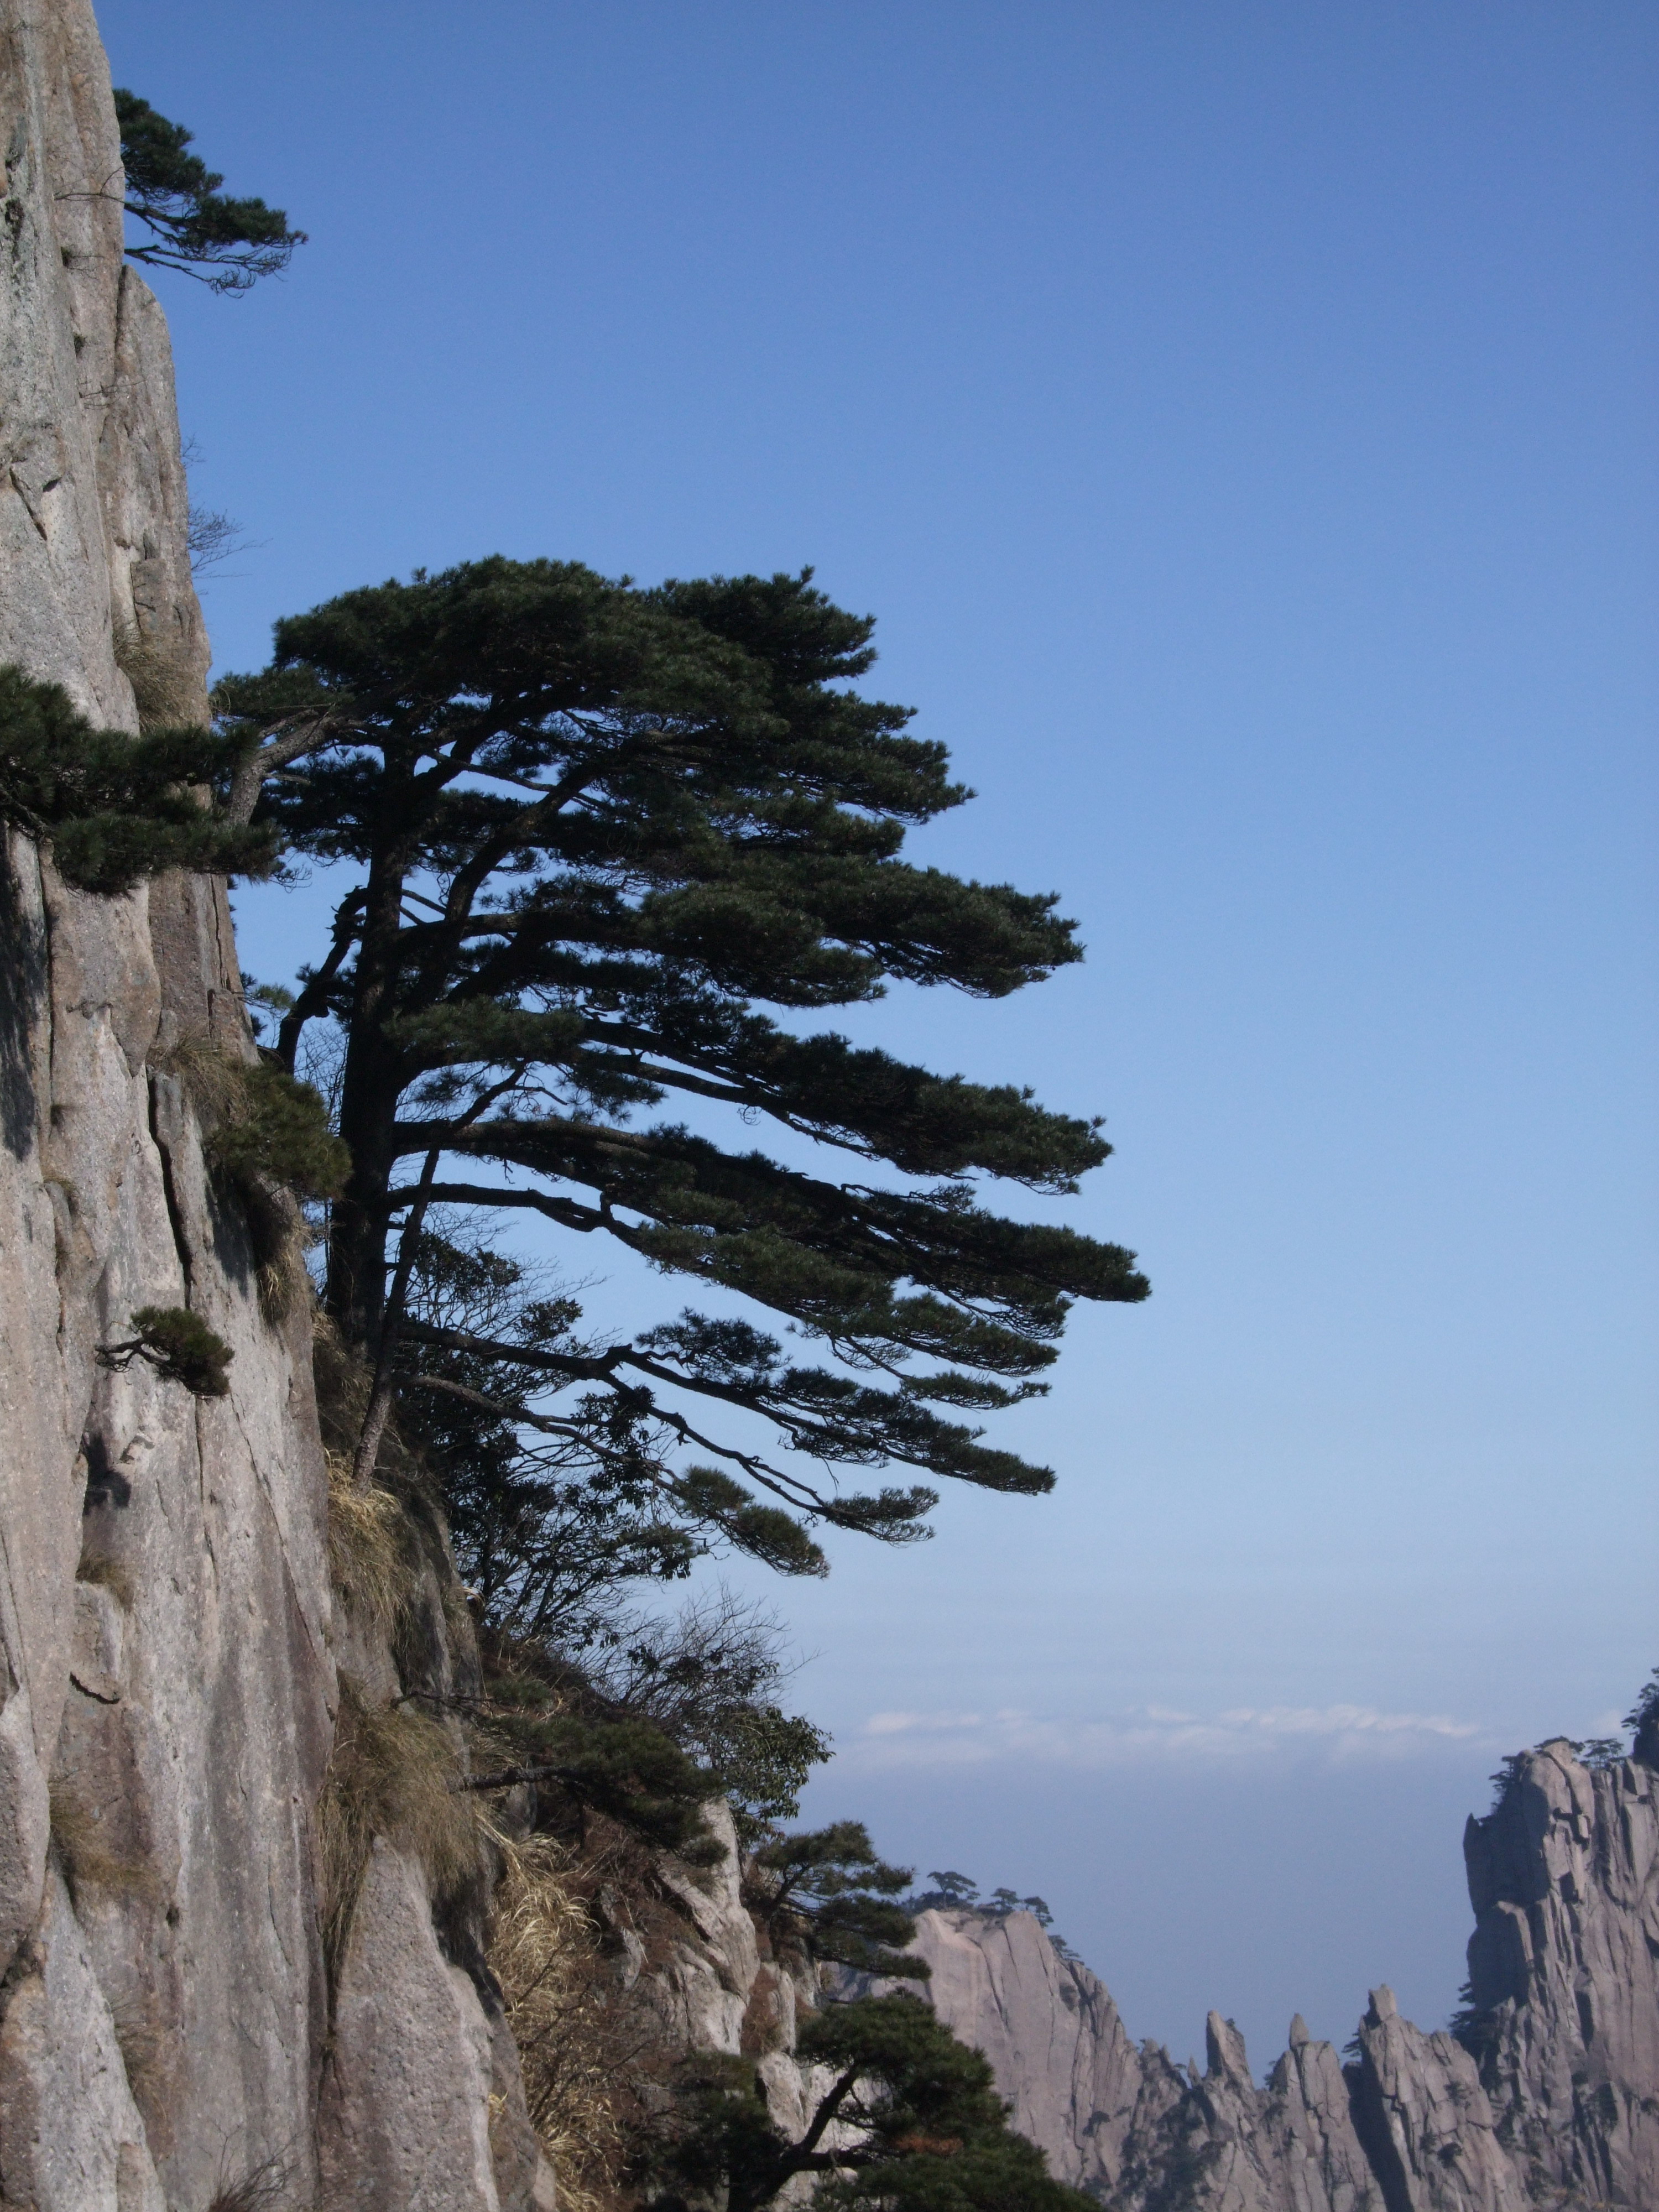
226	244
910	2122
607	851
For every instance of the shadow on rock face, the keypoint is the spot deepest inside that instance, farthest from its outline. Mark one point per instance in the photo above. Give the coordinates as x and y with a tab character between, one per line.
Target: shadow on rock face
20	996
106	1484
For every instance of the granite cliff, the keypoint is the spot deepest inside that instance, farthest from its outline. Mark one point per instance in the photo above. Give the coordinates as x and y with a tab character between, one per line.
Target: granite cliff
185	1663
1548	2096
170	1641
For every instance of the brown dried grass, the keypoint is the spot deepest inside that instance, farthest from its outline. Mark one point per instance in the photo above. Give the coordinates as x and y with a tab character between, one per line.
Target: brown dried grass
560	2000
169	685
392	1773
84	1852
144	2045
108	1574
219	1086
370	1548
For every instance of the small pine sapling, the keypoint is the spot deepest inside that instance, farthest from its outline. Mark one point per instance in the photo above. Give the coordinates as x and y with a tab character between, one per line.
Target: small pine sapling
179	1345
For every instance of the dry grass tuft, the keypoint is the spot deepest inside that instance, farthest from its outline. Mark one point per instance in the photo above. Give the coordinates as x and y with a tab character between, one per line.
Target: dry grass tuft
108	1574
143	2048
213	1080
392	1773
168	683
266	1137
88	1862
561	2003
260	2190
369	1548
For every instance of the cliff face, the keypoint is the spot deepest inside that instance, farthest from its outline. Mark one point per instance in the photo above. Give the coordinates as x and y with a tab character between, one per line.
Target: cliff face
1563	1972
1560	2107
167	1675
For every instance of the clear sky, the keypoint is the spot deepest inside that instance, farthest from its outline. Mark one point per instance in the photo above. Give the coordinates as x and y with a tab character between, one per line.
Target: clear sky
1240	415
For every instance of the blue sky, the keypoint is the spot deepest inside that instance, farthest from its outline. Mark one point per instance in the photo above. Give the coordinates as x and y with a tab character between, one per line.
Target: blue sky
1240	418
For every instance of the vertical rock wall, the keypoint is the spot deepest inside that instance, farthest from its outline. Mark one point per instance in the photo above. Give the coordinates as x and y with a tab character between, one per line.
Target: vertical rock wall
164	1600
167	1677
1563	1972
1550	2100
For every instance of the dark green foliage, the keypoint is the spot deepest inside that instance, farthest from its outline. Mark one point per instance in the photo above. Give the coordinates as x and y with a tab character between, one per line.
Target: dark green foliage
950	1892
764	1764
710	1677
584	1756
765	1532
114	807
1506	1777
954	1893
1475	2029
826	1893
929	2131
1642	1719
1601	1752
179	1345
195	228
277	1128
592	830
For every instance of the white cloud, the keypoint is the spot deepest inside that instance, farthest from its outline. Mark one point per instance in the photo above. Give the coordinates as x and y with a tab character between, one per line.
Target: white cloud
1152	1733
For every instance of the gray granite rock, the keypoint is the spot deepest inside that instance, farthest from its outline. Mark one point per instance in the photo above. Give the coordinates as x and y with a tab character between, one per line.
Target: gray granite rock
1550	2099
1061	2055
406	2113
1427	2122
167	1677
1564	1974
71	2138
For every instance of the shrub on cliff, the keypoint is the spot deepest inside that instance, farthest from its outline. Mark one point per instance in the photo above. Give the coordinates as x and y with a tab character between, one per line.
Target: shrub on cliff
910	2123
179	1345
830	1896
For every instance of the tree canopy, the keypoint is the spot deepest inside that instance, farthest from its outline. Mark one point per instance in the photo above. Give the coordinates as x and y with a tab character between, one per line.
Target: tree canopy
910	2123
828	1895
597	839
226	244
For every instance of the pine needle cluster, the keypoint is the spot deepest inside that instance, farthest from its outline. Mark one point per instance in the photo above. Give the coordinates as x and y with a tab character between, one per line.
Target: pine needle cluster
911	2123
179	1345
115	808
194	227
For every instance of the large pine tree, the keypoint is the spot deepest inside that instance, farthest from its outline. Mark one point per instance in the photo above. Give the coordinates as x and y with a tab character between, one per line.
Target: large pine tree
600	838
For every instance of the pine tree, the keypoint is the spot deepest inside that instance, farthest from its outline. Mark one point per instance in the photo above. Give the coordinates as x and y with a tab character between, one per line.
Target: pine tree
828	1895
226	244
593	832
910	2123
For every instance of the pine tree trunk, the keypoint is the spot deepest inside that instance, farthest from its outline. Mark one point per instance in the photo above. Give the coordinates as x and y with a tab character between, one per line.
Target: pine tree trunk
373	1079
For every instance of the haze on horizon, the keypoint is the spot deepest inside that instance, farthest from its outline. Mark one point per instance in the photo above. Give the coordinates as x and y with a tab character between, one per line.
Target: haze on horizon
1240	418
